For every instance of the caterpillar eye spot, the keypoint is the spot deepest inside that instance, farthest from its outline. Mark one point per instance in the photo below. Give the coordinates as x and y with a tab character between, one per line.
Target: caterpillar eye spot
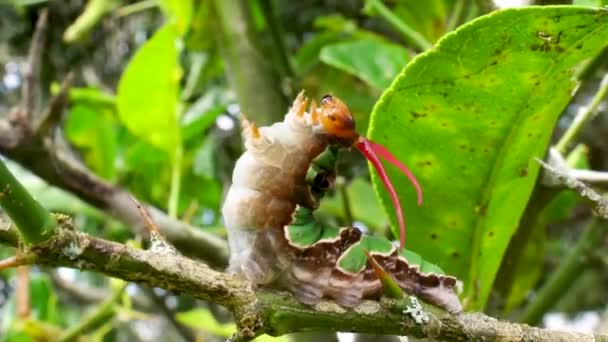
326	99
331	117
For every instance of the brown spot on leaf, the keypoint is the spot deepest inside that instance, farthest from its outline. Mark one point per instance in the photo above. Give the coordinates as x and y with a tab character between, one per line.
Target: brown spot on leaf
416	115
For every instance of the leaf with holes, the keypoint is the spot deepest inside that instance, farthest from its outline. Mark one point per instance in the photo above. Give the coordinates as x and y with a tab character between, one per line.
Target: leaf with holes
469	117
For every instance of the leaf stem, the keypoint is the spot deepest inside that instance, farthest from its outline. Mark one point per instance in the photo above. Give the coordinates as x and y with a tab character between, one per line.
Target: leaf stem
582	118
568	271
413	36
456	17
136	7
176	181
34	222
348	213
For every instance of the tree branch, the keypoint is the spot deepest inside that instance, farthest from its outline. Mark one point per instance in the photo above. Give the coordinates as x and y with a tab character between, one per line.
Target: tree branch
252	76
269	311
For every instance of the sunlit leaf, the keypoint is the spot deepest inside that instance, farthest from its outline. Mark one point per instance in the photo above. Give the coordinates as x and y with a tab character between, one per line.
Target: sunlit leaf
469	117
94	131
148	91
375	61
179	13
202	319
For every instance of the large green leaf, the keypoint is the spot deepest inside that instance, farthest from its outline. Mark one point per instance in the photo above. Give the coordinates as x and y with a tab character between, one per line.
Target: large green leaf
375	61
469	117
148	91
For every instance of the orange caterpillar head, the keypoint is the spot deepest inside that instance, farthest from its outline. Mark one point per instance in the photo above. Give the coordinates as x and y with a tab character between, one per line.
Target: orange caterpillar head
339	125
337	120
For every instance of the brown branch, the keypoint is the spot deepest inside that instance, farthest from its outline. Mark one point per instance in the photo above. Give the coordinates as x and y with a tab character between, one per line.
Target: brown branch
37	147
46	155
561	178
30	91
268	311
67	173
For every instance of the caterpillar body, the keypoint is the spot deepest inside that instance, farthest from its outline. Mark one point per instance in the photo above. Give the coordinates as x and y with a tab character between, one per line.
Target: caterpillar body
273	237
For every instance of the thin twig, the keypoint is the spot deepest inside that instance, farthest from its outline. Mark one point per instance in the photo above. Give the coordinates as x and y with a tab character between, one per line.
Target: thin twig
30	90
184	331
590	176
568	271
23	292
456	16
584	115
348	213
558	177
51	118
136	7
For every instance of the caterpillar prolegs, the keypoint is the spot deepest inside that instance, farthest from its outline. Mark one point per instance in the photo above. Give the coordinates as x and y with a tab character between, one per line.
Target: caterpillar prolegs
273	237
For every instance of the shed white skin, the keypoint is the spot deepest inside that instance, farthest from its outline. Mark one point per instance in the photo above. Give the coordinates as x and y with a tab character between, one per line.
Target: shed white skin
269	181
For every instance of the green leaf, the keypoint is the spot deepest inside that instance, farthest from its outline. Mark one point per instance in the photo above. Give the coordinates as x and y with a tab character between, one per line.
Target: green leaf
469	117
43	299
94	131
202	319
179	13
148	91
375	61
429	18
590	2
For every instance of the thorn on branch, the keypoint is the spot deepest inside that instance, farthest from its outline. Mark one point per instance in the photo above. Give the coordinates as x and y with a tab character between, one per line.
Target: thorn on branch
157	242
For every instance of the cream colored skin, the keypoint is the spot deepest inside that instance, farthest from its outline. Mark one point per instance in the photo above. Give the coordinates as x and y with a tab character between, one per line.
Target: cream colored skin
269	181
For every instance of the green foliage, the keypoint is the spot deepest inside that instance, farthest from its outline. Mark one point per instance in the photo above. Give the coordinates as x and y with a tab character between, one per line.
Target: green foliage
477	110
94	131
468	117
203	320
179	13
375	61
148	92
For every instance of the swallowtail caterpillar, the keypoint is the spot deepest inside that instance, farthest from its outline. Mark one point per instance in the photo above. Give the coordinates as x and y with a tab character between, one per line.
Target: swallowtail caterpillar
273	237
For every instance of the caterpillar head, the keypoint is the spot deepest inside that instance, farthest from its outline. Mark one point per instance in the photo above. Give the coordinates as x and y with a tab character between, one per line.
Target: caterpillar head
339	125
338	122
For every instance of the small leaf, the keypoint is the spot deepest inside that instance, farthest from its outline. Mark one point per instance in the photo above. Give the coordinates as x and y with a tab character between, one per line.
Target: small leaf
148	91
94	130
202	319
375	61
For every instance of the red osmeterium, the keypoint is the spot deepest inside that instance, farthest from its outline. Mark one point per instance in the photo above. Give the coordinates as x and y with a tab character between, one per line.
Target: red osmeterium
388	156
371	150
